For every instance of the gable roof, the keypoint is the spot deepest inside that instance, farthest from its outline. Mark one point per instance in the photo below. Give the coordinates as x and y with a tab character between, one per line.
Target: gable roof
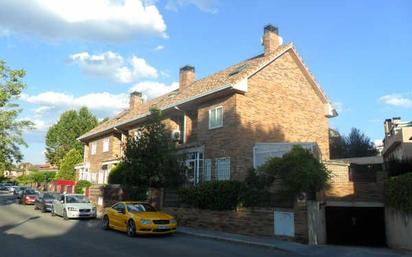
227	78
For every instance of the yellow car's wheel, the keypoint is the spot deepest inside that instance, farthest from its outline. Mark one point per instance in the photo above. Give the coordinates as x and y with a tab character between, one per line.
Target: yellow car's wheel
105	222
131	228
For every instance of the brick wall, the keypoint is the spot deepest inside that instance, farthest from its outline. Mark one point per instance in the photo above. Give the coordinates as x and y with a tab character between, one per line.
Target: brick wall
258	222
114	152
279	106
342	189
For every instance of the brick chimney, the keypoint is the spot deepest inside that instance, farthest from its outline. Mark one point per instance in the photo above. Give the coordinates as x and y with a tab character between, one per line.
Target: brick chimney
271	39
135	100
187	76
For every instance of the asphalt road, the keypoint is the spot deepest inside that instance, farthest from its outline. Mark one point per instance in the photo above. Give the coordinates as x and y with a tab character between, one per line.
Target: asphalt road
26	232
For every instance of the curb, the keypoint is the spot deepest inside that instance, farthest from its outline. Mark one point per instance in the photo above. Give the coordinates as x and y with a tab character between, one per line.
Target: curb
234	240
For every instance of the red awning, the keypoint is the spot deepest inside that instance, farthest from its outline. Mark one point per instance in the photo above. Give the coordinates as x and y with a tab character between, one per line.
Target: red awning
62	182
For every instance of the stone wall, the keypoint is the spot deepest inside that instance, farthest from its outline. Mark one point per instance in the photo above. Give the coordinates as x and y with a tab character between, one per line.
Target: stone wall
259	222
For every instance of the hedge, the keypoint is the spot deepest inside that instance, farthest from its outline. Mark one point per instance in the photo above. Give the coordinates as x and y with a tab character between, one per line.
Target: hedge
81	185
398	192
214	195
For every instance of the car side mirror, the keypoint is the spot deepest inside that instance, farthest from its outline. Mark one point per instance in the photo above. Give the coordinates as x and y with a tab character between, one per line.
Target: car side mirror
123	211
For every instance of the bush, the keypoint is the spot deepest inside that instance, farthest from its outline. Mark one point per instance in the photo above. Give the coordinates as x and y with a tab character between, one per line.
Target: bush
133	193
116	174
81	185
299	171
398	192
255	190
214	195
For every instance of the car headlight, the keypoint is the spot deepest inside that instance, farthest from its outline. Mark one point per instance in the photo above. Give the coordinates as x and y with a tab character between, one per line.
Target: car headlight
173	221
71	209
145	222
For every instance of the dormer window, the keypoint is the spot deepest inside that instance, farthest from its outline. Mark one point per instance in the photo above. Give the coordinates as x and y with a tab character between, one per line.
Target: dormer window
216	117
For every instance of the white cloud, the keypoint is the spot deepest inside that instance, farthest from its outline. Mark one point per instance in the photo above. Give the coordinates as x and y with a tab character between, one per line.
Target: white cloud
104	102
340	107
151	89
203	5
97	20
398	100
159	48
114	66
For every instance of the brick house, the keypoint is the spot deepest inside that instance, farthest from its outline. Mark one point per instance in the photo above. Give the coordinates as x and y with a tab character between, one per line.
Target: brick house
221	119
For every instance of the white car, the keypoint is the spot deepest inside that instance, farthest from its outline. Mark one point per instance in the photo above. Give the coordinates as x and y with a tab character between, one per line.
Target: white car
73	206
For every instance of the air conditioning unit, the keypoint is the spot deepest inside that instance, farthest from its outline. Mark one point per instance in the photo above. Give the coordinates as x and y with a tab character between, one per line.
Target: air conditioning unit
176	135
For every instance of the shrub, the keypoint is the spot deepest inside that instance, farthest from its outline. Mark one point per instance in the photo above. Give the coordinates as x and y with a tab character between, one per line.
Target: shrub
81	185
214	195
134	193
255	190
116	174
398	192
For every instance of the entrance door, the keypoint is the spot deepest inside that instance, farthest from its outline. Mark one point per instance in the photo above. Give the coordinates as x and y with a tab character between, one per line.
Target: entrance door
355	226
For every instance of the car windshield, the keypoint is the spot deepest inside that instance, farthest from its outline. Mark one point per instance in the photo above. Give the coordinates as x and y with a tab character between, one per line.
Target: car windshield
76	199
30	192
140	207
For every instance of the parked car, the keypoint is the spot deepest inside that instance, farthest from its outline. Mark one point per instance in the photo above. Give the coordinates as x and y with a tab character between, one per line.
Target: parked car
138	218
28	196
18	191
73	206
44	201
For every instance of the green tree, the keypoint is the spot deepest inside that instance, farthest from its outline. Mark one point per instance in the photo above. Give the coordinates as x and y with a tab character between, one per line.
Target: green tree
62	136
150	160
299	172
70	159
11	129
356	144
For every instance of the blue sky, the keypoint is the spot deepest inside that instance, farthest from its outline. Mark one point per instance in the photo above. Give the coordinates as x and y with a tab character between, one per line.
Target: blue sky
93	54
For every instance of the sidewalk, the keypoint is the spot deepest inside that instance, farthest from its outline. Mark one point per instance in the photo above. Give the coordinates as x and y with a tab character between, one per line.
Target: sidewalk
293	247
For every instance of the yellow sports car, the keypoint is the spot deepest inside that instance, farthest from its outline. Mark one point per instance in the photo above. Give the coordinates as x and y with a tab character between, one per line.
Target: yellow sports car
138	218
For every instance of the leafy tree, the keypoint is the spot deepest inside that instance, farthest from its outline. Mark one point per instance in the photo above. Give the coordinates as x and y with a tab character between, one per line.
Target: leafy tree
11	129
81	185
62	136
356	144
299	171
150	160
70	159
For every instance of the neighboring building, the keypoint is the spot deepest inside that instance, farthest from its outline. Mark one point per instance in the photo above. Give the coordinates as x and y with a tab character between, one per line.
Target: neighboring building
219	120
397	143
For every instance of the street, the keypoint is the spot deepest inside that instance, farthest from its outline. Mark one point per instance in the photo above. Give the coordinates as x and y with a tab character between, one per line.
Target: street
26	232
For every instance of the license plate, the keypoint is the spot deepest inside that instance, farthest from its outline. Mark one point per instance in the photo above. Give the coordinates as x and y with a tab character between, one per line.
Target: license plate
162	227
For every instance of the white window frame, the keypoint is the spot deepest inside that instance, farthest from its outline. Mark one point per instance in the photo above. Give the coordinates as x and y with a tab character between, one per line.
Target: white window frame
93	148
225	175
219	123
106	144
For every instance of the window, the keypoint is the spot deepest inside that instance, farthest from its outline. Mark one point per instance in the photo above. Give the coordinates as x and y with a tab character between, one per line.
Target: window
223	168
216	117
208	170
93	148
106	143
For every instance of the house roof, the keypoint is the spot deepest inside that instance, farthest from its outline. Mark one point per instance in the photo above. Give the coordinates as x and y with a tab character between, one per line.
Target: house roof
223	79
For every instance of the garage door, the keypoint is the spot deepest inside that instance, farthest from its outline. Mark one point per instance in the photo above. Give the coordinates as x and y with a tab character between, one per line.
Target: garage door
355	226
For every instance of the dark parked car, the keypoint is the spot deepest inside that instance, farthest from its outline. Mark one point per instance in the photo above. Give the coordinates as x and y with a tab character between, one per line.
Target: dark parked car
28	196
44	201
18	191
